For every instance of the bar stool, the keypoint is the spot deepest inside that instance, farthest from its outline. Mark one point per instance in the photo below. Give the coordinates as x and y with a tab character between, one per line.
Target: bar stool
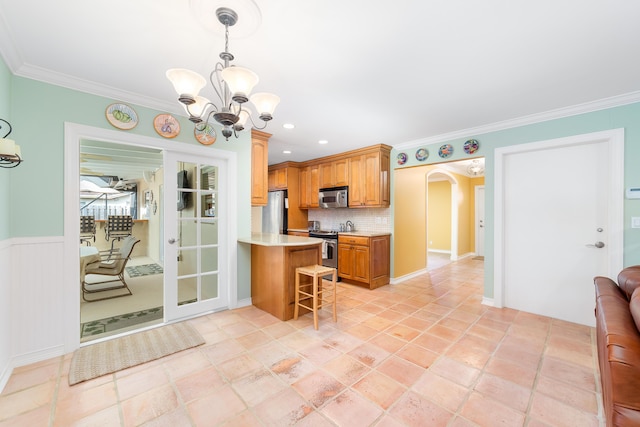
320	295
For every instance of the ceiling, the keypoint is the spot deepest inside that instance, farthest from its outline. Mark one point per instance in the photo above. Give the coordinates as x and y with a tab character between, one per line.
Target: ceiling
354	73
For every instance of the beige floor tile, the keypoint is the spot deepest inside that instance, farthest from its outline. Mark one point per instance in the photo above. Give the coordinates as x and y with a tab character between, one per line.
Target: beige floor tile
422	352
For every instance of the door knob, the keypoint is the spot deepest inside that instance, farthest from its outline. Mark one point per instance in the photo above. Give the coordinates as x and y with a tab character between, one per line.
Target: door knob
172	241
598	245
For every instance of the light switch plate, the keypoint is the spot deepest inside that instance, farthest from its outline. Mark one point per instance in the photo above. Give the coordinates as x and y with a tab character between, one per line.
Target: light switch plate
635	222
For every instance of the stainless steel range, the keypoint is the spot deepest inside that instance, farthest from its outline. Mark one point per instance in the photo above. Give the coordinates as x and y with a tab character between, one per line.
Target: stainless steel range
329	246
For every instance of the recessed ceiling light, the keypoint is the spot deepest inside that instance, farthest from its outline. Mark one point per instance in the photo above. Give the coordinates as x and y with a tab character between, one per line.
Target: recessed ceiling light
286	152
323	141
288	126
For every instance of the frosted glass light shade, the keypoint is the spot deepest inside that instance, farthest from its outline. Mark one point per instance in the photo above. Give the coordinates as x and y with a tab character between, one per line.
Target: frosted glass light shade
7	147
240	81
265	103
198	108
186	82
242	119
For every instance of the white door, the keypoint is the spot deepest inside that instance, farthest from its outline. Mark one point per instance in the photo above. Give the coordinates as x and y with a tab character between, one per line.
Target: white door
559	224
479	219
196	280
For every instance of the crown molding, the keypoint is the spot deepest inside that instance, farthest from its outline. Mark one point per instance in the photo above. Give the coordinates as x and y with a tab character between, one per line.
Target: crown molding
87	86
587	107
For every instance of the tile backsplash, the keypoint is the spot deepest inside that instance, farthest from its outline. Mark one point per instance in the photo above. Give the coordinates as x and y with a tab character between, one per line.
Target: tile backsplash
366	219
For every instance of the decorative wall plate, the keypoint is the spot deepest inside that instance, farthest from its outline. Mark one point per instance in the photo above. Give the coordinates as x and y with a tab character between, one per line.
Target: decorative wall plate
422	154
471	146
445	151
121	116
206	136
402	158
166	125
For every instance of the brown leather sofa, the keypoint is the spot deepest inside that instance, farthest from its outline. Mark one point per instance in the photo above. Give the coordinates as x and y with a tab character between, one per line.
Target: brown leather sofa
618	342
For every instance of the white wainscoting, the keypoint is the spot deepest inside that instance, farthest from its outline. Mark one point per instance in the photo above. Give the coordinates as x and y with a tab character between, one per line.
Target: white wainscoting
37	299
5	313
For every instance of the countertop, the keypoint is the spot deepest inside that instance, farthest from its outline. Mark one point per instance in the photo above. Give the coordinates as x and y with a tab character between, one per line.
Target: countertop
364	233
351	233
268	239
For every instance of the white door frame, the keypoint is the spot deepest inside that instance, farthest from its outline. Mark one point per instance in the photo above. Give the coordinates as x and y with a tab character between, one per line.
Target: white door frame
615	140
479	248
73	134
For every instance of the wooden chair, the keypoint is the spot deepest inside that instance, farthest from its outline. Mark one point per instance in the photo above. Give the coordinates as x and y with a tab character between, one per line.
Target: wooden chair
112	263
316	292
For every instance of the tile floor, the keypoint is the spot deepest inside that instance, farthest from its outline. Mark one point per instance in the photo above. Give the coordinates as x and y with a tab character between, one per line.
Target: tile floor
421	353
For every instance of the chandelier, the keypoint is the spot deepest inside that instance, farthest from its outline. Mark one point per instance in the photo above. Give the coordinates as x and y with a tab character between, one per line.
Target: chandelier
475	168
10	155
232	85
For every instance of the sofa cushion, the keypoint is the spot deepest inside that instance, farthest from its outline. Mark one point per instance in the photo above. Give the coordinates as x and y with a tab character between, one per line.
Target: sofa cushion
629	280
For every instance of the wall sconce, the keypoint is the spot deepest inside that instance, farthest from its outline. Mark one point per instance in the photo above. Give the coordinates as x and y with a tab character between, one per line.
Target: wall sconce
9	150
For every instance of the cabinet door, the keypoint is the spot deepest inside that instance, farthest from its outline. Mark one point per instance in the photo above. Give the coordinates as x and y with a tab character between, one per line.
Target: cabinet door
361	263
303	190
372	179
355	182
314	187
345	261
341	172
271	179
259	167
281	179
327	175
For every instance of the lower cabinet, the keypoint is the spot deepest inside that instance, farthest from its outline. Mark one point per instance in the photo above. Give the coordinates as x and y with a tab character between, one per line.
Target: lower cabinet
364	260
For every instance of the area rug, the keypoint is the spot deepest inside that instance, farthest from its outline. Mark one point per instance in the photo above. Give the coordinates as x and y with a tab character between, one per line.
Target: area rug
109	324
114	355
144	270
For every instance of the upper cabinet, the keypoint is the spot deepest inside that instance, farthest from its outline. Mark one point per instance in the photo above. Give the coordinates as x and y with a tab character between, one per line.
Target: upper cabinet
369	179
309	186
259	167
278	179
334	173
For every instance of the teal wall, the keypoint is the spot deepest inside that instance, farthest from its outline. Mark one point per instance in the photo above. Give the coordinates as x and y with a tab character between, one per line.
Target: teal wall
627	117
39	111
5	174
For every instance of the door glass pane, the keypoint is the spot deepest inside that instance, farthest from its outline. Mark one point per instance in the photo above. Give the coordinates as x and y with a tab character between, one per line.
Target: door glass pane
209	286
187	233
209	178
209	260
187	290
187	262
209	232
208	205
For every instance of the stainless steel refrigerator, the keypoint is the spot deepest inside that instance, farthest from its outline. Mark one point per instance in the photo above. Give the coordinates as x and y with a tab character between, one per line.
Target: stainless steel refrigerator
274	215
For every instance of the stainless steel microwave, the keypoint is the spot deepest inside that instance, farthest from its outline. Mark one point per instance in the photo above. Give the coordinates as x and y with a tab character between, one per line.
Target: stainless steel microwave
335	197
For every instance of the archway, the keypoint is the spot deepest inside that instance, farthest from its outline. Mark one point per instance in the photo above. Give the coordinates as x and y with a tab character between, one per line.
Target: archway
449	222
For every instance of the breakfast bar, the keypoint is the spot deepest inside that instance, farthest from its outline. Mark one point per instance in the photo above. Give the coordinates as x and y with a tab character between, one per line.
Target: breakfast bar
274	259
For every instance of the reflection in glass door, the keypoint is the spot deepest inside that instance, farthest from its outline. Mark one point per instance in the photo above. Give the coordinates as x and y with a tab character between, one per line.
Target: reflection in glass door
195	232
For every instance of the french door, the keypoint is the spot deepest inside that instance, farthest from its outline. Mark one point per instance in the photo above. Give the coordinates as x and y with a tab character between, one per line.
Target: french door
195	235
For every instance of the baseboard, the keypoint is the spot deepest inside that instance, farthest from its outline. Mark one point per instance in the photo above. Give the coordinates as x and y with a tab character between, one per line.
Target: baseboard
244	303
6	374
488	301
38	356
396	280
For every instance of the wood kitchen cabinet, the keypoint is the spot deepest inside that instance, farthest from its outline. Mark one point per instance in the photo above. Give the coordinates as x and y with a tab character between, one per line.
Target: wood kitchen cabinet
309	186
364	260
259	167
334	173
369	179
278	179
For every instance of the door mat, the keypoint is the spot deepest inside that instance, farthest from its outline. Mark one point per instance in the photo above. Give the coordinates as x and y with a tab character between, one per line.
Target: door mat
100	326
114	355
144	270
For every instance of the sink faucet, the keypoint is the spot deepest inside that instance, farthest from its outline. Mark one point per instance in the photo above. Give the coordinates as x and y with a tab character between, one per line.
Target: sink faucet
350	226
